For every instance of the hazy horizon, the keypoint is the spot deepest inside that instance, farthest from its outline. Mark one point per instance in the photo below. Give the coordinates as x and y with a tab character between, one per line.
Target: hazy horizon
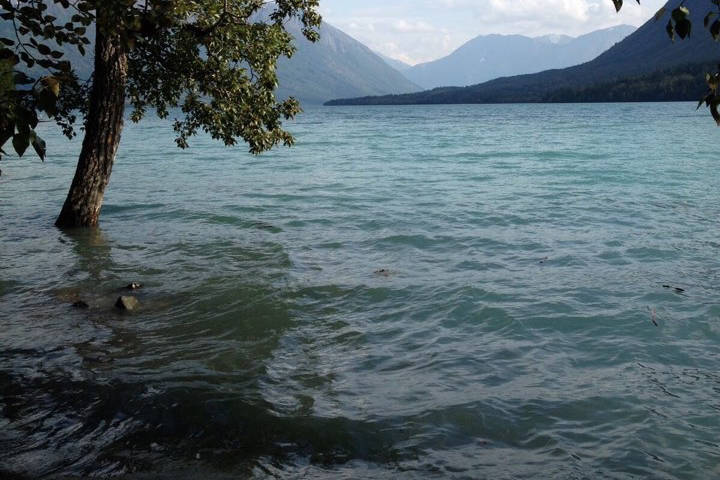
418	32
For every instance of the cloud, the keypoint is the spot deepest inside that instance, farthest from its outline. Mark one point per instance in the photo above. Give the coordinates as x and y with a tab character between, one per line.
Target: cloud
410	26
423	30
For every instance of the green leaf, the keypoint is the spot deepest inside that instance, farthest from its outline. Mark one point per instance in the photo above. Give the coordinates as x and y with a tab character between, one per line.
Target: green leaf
680	13
21	141
670	30
26	119
22	79
6	135
715	30
44	49
47	102
39	146
53	85
714	109
683	28
713	81
706	100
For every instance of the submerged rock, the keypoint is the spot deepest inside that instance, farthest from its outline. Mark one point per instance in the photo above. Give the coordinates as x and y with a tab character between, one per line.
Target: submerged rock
677	289
156	447
127	304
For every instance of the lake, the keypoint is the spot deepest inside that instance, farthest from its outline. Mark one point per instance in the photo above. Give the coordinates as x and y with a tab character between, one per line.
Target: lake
486	291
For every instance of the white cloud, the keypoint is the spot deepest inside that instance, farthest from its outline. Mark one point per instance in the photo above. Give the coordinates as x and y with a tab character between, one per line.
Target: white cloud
421	30
409	26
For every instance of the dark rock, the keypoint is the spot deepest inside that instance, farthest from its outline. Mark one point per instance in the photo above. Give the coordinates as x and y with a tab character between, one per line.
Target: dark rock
677	289
127	304
156	447
134	286
81	304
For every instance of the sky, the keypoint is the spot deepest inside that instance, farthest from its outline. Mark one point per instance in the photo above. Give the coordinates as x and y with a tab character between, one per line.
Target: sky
417	31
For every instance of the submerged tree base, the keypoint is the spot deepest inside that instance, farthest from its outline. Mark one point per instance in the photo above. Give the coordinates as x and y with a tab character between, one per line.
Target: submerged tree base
102	137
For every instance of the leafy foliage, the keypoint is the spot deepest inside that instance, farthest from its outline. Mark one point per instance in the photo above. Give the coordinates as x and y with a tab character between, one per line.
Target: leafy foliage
213	59
680	24
639	56
56	93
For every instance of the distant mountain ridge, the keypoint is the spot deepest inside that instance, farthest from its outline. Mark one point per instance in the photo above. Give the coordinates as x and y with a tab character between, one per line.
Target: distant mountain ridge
335	66
492	56
644	52
398	65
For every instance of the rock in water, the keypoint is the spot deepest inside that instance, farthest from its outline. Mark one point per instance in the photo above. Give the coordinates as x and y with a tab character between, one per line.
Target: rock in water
127	304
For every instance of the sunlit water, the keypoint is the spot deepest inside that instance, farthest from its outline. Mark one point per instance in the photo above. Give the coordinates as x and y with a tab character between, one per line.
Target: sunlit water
415	292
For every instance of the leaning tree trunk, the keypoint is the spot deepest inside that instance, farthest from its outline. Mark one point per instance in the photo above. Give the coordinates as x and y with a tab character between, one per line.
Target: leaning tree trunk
102	135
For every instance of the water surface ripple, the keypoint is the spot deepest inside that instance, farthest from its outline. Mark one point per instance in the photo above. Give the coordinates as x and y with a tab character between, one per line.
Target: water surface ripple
415	292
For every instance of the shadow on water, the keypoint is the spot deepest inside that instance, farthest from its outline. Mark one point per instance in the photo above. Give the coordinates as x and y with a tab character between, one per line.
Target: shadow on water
92	251
175	385
92	264
62	427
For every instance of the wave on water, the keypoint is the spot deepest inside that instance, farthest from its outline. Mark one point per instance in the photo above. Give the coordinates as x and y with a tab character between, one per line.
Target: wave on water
433	292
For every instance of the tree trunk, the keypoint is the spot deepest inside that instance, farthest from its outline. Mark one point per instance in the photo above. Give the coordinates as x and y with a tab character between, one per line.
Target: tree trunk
102	135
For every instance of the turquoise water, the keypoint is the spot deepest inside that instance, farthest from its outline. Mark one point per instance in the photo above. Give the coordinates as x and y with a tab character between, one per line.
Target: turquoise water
413	292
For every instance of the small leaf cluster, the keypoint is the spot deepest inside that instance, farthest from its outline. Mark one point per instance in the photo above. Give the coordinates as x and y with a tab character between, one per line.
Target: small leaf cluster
680	24
216	62
37	80
213	60
712	99
619	4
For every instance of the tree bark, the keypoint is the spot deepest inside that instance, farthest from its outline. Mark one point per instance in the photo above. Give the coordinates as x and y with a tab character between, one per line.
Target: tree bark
102	134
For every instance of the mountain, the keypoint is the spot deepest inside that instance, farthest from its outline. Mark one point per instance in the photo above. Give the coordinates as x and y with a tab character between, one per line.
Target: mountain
686	83
646	51
398	65
336	66
491	56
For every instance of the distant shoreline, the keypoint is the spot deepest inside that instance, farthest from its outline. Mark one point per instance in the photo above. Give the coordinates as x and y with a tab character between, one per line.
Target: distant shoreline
680	84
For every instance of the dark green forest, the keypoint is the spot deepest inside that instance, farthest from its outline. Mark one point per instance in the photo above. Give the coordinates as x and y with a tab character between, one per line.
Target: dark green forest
678	84
629	71
685	83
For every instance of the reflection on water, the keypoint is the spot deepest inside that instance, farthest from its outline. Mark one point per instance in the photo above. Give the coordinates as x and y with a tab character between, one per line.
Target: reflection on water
112	395
178	384
509	335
